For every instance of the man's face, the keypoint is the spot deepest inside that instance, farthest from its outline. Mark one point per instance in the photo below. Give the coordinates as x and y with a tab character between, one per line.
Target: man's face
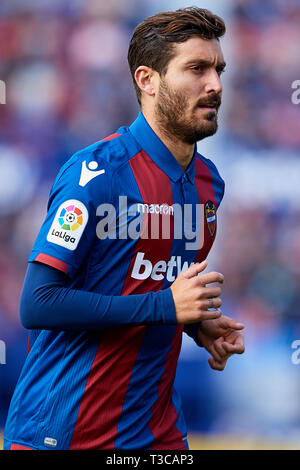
189	94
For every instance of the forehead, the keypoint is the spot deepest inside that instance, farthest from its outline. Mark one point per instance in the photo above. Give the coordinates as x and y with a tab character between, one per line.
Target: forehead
197	49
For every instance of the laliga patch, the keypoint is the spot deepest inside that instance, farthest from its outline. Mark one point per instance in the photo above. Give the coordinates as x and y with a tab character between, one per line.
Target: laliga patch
211	217
68	224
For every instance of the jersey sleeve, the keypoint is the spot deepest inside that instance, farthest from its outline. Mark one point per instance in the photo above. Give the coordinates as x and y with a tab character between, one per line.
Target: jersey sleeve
192	331
69	229
47	304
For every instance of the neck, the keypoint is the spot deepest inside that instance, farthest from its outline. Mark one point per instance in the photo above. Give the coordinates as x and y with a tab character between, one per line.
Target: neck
182	151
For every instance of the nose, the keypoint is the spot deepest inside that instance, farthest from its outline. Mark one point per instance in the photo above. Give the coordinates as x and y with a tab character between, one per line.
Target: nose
213	83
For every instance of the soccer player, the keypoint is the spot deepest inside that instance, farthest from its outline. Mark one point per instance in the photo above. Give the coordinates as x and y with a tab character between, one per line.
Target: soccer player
117	271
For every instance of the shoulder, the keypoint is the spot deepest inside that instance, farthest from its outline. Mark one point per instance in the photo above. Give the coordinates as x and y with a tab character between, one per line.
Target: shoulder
112	151
91	169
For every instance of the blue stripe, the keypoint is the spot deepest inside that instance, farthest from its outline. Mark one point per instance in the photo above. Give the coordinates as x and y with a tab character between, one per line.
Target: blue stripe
50	389
180	423
67	389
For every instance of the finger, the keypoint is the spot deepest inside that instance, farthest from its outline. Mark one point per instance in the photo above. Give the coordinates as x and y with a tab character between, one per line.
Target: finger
218	345
194	270
227	322
208	315
209	278
219	354
216	302
211	292
237	348
214	353
202	315
215	365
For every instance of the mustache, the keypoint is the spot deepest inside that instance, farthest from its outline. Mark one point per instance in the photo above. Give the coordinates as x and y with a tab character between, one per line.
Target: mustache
214	101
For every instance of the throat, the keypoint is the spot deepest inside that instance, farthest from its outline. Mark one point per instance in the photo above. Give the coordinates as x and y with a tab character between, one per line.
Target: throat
182	151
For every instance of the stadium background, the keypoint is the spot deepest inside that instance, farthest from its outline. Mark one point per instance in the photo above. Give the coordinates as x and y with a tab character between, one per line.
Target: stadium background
68	85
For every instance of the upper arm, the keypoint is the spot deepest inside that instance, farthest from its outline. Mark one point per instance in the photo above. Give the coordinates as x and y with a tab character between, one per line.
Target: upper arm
69	229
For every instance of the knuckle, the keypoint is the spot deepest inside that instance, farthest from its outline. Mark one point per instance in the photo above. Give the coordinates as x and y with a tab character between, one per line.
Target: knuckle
194	281
201	292
201	314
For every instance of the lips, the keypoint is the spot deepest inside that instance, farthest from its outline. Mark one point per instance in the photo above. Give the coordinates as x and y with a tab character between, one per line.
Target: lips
209	105
213	103
213	108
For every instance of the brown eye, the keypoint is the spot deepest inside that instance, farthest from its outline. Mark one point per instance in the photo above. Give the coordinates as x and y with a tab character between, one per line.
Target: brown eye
220	72
197	68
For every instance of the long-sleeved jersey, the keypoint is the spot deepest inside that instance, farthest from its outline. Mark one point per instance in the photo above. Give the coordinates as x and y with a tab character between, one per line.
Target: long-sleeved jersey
123	219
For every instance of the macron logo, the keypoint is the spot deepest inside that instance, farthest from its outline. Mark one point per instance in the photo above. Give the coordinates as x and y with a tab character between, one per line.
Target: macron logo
143	268
89	172
155	209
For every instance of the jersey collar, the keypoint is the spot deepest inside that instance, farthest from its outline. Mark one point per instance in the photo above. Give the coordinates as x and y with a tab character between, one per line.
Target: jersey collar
158	152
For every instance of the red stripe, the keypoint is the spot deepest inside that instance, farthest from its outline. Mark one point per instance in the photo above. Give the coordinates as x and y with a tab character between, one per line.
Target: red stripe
106	386
110	137
164	414
155	188
51	261
109	377
205	190
19	447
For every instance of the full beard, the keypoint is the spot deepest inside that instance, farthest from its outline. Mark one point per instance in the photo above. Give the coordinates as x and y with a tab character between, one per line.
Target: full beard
170	113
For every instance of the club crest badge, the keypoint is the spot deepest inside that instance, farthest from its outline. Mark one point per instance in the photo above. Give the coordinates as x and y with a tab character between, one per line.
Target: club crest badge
210	217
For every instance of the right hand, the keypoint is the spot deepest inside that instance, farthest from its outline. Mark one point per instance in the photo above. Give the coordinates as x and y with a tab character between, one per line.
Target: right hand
192	298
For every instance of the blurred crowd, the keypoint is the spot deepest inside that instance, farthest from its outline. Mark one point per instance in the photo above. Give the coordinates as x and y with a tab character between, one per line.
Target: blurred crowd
266	62
68	85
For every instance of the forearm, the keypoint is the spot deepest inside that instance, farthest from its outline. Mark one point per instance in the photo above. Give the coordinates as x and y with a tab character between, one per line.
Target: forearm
47	304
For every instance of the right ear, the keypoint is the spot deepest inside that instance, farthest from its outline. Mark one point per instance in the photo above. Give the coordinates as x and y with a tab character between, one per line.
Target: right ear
145	79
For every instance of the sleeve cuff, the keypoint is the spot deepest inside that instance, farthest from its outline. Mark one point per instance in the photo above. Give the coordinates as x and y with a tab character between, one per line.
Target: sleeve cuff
51	261
192	331
166	307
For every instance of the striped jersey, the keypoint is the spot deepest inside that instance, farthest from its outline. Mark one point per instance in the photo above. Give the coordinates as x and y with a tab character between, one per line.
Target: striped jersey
123	218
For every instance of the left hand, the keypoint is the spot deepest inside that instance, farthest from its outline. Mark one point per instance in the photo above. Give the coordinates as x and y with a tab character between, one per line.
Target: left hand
221	337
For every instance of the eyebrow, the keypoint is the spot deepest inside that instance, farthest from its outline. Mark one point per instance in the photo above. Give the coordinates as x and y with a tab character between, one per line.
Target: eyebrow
207	63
